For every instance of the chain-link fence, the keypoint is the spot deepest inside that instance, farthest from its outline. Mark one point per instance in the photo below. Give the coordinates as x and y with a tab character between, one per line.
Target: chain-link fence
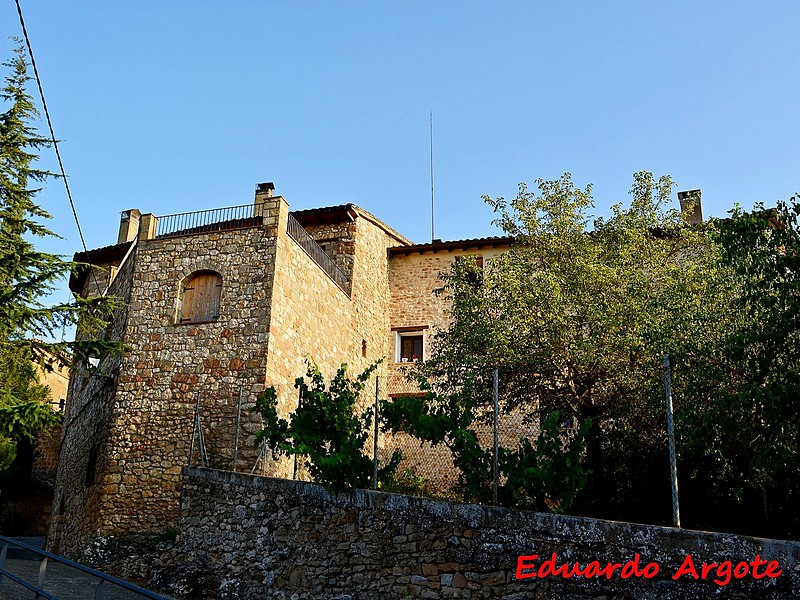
224	427
431	466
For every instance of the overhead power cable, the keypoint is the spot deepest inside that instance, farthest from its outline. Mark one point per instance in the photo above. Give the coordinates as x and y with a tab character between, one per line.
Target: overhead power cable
50	125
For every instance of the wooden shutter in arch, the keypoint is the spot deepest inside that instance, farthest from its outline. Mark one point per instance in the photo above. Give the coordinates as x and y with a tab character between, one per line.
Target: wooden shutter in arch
201	295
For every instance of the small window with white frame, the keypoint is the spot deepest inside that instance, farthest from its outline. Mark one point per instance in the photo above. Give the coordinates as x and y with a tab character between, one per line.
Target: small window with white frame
410	344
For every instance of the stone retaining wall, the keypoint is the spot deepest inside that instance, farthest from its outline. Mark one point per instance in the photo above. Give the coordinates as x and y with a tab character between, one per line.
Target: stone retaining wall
270	538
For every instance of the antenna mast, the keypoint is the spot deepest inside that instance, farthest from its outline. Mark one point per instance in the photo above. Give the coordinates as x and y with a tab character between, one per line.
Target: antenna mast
433	235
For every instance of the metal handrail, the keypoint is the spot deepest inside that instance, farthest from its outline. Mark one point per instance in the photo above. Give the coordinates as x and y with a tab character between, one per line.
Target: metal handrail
298	233
203	221
48	556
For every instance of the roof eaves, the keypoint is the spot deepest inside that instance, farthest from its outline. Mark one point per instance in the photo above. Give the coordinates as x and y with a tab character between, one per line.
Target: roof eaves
344	213
449	246
97	256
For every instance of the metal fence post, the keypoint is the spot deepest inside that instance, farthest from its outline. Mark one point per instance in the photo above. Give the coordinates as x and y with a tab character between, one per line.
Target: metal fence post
496	440
194	427
375	437
42	572
676	513
299	406
236	439
262	457
201	442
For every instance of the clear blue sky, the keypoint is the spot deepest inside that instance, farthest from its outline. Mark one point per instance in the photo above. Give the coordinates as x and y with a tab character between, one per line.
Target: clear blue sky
179	106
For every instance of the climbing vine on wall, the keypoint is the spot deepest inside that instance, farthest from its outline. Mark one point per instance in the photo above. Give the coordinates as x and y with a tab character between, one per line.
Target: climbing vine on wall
325	429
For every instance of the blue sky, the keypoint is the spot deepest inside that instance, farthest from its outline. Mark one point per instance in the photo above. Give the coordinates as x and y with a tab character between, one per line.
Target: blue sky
179	106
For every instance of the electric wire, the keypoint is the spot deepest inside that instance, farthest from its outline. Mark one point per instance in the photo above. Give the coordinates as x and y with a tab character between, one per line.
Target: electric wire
55	146
50	125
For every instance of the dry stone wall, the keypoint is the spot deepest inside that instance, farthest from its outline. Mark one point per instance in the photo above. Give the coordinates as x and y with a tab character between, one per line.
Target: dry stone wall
270	538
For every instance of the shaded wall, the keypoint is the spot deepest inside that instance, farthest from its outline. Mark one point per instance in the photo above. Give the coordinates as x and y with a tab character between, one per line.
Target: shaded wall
272	538
87	421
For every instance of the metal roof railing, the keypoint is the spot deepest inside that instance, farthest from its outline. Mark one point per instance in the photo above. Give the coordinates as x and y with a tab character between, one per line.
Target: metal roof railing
317	254
66	572
203	221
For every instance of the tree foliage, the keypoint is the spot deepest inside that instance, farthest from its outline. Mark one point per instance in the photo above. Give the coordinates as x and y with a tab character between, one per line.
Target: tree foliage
742	432
577	316
325	429
545	475
448	420
548	474
28	274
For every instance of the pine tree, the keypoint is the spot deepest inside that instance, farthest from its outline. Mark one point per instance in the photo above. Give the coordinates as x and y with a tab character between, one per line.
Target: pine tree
27	275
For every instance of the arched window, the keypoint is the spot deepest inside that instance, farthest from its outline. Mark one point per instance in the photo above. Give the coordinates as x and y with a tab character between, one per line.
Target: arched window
200	297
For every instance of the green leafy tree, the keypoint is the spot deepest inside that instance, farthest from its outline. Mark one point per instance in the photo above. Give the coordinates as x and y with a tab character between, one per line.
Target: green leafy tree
325	429
548	474
450	420
545	475
576	317
28	274
741	436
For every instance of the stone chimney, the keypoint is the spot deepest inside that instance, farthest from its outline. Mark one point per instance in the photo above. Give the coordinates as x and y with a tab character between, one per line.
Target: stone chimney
691	206
147	226
265	189
128	225
264	197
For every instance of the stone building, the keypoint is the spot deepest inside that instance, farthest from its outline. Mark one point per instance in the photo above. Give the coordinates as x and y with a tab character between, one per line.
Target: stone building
221	303
26	492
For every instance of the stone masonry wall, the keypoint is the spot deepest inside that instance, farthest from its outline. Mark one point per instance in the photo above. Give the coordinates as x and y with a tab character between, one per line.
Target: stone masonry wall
338	241
412	281
269	538
87	423
310	316
371	300
359	248
170	363
128	436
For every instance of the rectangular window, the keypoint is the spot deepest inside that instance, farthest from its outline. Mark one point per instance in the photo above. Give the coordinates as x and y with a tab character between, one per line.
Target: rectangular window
410	344
474	273
410	348
478	259
200	297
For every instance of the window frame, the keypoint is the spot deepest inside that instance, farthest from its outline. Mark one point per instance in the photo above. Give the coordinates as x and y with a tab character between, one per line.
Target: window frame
409	332
473	277
187	281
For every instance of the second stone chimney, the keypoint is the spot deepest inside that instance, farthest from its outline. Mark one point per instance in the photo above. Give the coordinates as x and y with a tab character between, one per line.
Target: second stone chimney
128	225
265	189
691	206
